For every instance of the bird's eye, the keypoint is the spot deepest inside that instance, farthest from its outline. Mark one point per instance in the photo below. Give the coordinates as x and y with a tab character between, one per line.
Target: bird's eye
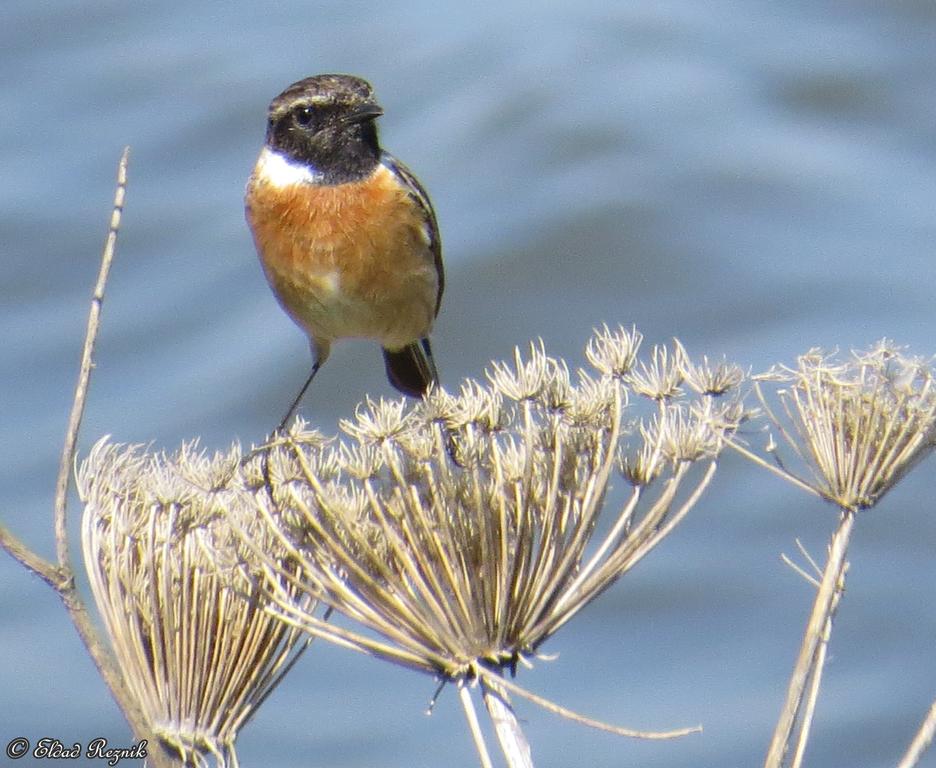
304	116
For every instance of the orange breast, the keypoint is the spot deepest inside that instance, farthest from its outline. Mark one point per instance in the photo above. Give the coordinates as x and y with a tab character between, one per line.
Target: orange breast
346	260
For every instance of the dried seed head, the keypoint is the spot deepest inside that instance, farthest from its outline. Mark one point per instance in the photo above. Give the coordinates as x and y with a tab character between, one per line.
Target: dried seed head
706	378
642	466
511	456
437	407
658	380
613	352
684	435
418	442
468	447
164	564
377	422
557	393
473	553
361	461
527	379
591	402
479	406
859	425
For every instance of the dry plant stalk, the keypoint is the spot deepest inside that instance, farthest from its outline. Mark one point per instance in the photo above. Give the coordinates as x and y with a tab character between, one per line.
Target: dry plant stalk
855	428
60	575
463	531
188	628
921	741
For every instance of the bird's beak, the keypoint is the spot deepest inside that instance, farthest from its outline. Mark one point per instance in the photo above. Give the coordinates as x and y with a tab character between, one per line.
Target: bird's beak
364	112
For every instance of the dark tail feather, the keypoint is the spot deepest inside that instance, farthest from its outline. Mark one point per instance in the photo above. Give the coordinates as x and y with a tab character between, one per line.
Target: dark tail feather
411	369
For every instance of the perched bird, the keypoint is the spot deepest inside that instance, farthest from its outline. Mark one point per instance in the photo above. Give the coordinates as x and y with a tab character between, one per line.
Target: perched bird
346	234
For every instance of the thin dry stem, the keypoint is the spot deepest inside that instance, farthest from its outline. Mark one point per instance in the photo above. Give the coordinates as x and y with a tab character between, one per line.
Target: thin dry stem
600	725
812	695
812	578
921	740
46	570
474	727
513	742
61	575
807	662
84	371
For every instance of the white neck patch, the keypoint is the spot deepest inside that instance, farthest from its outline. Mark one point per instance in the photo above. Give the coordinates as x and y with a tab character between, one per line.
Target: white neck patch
279	171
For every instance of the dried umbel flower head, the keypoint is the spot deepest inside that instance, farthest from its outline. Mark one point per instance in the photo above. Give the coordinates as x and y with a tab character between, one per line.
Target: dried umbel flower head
658	379
528	379
707	378
186	623
858	424
466	554
614	353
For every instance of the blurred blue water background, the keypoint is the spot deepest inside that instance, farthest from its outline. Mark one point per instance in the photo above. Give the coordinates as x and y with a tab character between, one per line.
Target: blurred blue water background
753	177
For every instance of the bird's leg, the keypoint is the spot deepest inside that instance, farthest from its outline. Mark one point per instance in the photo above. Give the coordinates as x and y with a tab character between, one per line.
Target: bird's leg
295	403
265	460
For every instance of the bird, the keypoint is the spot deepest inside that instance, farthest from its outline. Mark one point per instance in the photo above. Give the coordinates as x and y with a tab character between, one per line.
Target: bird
346	235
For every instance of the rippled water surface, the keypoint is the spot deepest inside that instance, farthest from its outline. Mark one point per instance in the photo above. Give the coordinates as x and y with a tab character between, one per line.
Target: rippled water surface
755	178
